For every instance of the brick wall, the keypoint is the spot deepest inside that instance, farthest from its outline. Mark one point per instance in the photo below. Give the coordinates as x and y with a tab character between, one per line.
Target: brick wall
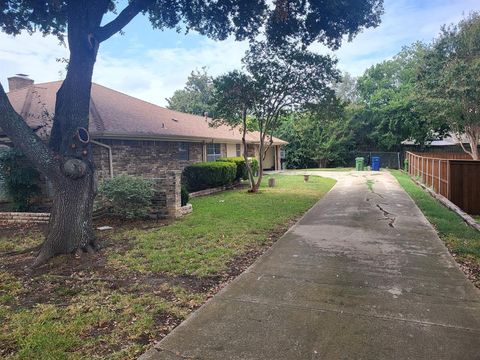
167	198
147	159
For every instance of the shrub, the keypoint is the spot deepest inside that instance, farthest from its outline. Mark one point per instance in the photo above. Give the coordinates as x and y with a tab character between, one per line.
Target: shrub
206	175
21	179
129	196
185	196
240	164
405	165
242	173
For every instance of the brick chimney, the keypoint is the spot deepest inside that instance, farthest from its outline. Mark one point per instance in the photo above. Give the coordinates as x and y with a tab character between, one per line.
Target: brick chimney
19	81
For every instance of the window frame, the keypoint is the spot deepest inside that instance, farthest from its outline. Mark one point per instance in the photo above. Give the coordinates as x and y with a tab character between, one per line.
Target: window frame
215	155
183	151
238	150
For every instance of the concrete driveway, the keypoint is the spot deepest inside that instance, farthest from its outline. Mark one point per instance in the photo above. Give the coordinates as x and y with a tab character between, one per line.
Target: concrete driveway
362	275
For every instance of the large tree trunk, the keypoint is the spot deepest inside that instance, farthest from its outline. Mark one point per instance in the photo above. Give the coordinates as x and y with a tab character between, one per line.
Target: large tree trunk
70	228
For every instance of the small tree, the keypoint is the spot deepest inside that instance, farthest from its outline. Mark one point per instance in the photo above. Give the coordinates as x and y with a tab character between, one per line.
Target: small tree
284	77
233	97
449	78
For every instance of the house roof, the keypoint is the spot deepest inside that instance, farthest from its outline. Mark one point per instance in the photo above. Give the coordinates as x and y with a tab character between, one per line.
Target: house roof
117	115
449	140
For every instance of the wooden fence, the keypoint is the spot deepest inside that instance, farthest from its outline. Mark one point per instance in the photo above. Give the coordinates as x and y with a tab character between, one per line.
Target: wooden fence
453	175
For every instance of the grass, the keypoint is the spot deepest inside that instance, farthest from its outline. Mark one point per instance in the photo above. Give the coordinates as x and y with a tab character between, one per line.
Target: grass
324	169
462	240
221	227
115	304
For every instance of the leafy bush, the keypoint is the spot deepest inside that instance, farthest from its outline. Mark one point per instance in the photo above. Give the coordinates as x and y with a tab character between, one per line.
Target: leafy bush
405	165
242	173
129	196
206	175
254	165
240	164
185	196
21	179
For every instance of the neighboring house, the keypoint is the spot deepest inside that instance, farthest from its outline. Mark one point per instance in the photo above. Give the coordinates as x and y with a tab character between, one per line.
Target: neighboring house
134	137
450	143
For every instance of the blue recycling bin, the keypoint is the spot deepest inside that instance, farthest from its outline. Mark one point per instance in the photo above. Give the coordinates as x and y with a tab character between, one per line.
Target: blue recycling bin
375	163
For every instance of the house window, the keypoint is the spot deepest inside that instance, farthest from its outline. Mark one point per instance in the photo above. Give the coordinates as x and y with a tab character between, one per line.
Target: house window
238	149
183	151
213	152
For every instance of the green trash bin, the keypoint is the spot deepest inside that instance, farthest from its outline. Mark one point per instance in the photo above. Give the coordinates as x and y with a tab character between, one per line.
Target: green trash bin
359	164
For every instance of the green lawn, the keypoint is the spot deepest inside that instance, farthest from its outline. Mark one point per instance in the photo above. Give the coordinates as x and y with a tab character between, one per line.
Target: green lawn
221	227
115	304
462	240
324	169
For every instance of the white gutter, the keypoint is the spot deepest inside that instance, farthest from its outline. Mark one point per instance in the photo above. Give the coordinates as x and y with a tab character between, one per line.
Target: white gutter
110	162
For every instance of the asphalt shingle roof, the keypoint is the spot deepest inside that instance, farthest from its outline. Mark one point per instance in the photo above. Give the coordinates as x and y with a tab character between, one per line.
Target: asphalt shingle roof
117	115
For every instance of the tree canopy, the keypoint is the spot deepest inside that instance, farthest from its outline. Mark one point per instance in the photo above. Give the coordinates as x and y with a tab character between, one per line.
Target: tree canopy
318	136
195	97
449	79
390	101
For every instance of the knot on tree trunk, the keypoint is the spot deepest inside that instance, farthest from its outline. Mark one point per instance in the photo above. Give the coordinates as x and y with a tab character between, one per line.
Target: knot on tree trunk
74	168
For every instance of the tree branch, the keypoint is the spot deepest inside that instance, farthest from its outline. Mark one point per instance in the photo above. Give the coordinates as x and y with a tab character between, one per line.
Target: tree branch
25	139
117	24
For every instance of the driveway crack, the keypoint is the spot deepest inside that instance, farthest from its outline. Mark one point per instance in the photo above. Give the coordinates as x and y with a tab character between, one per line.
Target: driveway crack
387	216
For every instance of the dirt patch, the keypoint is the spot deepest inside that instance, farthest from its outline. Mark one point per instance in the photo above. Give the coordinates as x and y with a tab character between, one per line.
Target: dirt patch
470	268
65	279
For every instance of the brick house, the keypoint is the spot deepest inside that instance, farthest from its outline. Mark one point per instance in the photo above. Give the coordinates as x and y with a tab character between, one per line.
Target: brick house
134	137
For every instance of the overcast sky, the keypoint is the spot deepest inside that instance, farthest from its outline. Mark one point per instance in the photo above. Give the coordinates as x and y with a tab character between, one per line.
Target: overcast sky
151	65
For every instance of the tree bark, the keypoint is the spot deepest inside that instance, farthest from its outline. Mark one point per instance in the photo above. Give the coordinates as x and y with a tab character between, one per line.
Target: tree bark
256	187
251	179
71	227
472	133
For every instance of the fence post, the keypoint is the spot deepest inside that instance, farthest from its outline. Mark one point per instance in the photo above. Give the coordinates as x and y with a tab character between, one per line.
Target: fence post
448	179
422	172
418	167
431	173
439	176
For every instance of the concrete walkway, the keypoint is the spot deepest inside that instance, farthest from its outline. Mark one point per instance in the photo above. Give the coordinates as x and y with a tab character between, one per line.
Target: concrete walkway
363	275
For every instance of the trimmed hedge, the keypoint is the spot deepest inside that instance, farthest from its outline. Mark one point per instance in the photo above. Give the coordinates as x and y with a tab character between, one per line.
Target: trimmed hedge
206	175
242	173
